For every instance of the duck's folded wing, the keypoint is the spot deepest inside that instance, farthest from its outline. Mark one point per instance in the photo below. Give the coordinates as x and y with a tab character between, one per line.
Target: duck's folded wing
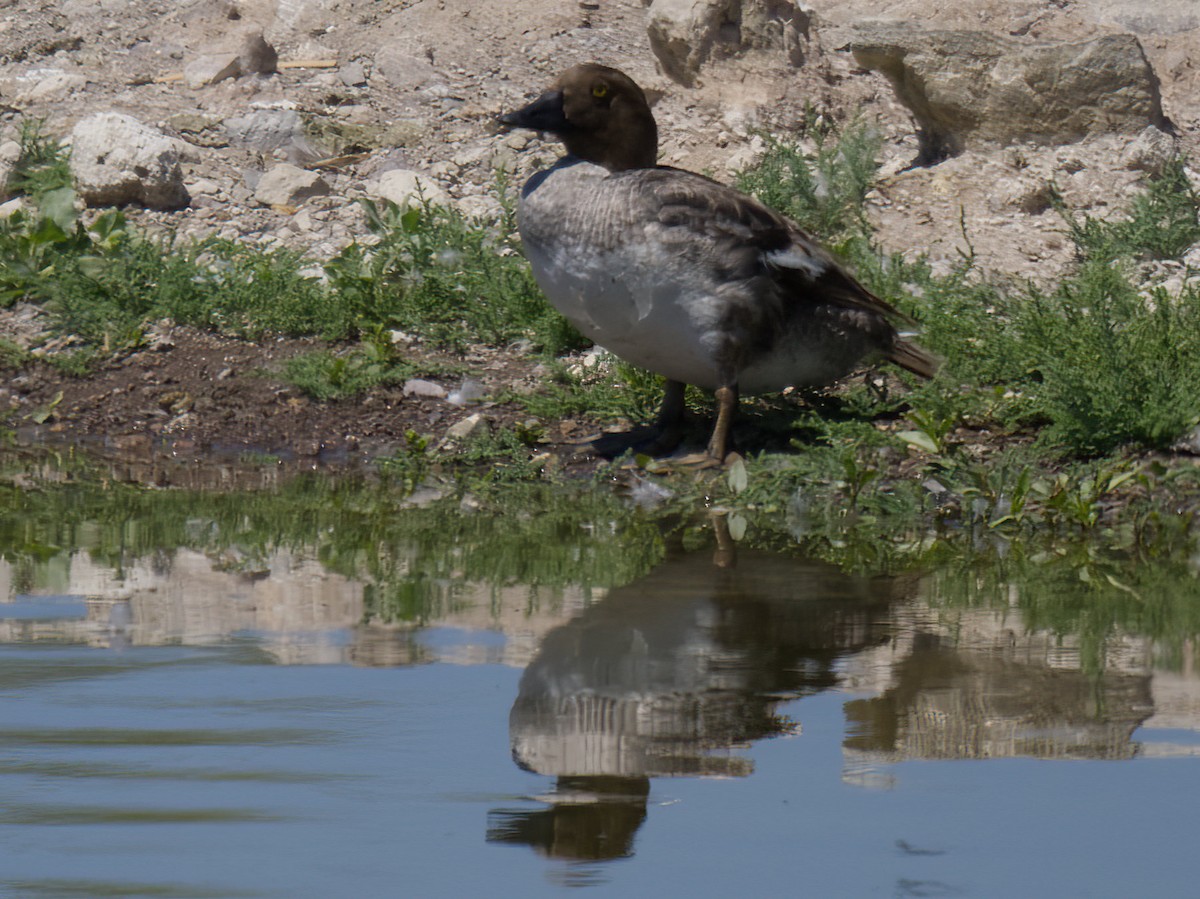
745	239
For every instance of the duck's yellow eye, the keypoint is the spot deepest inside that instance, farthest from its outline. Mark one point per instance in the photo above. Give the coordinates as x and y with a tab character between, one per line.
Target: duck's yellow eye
600	91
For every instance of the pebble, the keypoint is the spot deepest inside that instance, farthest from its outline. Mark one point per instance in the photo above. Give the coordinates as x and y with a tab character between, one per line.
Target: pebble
472	426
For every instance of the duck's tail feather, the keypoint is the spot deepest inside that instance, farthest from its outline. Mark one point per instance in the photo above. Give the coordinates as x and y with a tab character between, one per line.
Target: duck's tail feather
914	358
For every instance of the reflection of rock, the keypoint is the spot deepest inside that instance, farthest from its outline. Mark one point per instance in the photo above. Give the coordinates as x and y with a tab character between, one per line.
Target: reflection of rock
669	673
380	646
960	696
298	610
188	598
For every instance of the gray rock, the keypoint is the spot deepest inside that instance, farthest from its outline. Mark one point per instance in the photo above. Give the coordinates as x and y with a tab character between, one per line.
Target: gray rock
269	130
1140	17
289	185
115	160
965	85
198	128
265	130
10	152
352	74
685	34
210	68
55	85
253	56
403	69
1150	151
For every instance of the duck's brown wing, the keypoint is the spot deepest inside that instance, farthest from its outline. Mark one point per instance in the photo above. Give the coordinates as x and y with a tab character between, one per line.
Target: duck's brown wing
786	273
753	239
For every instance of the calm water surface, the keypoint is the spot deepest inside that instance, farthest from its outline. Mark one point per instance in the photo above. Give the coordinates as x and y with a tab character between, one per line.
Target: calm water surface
365	701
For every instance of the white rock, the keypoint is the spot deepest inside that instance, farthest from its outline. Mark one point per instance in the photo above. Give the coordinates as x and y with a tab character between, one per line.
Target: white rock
685	34
289	185
469	391
406	188
1150	151
14	205
252	56
204	186
115	160
479	207
421	387
58	84
352	74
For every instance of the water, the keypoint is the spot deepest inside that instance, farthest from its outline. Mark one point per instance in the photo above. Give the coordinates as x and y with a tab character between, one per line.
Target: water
323	690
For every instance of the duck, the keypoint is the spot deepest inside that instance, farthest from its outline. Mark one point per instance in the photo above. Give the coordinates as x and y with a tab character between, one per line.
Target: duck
679	274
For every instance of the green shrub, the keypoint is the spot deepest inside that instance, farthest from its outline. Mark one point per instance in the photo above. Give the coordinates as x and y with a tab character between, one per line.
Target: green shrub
326	375
453	281
1161	224
823	192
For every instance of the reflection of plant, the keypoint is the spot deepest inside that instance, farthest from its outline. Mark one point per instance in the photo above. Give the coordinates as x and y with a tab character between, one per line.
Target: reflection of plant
365	528
997	497
1077	500
856	476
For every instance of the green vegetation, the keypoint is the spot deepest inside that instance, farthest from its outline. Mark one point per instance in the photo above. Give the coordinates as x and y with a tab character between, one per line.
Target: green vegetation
415	558
823	192
325	374
453	281
1043	416
428	269
1047	399
466	540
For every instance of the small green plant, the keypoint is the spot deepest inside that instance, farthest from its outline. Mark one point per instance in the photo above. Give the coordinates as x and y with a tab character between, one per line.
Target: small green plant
1115	367
328	375
12	354
1076	498
997	496
411	464
822	191
1161	222
43	165
931	431
856	476
625	393
78	363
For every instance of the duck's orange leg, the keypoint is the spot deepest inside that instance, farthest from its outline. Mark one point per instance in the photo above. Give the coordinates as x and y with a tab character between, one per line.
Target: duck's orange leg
727	400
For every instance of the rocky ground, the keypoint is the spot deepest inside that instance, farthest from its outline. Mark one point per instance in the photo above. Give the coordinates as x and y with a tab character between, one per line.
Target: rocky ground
280	113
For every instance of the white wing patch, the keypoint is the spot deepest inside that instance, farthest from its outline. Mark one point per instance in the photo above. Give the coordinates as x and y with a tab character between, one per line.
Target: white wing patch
794	258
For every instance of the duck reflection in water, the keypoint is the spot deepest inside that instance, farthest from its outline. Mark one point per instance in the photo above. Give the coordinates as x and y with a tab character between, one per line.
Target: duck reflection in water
669	676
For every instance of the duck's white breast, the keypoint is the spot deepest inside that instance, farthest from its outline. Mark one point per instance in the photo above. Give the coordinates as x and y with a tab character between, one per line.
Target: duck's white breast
600	261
